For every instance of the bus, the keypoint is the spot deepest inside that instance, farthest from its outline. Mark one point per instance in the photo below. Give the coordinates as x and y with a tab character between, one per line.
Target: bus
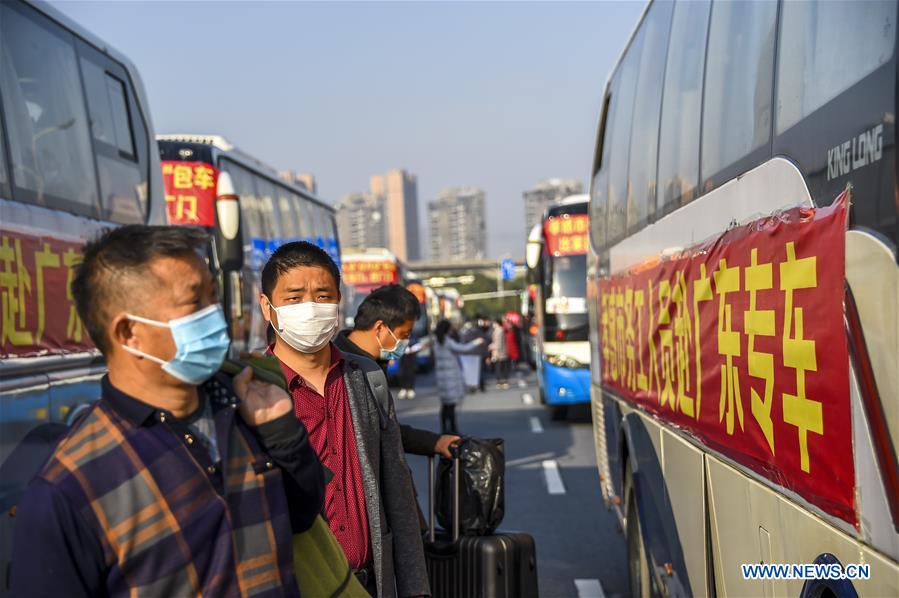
742	294
562	352
76	156
365	269
249	211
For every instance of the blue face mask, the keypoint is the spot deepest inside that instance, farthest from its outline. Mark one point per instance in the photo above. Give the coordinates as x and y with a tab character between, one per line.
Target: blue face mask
201	342
397	351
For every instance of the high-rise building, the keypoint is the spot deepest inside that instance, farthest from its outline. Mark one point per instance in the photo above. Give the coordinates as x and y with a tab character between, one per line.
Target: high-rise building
362	220
399	189
304	180
544	194
458	225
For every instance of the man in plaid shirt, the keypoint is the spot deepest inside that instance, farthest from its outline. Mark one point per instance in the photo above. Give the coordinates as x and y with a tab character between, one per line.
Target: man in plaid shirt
175	482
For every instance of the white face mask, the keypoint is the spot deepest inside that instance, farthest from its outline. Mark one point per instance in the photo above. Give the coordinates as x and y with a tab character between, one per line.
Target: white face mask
307	326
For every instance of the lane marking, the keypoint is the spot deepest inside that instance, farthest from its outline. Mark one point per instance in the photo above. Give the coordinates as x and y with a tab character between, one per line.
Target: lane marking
554	483
522	384
589	588
536	426
527	399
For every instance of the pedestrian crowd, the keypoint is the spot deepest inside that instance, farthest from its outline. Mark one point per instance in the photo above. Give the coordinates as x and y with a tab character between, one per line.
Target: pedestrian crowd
182	479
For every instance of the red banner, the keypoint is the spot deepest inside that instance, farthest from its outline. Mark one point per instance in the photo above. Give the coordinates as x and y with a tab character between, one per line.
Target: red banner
740	342
369	273
37	313
566	234
190	192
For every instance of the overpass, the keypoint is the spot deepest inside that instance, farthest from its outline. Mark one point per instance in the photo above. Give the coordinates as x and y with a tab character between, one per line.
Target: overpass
489	267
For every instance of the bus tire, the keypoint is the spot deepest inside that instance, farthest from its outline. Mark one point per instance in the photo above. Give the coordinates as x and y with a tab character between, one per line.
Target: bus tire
637	562
558	413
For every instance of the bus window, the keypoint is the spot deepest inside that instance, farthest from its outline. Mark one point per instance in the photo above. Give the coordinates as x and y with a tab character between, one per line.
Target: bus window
826	47
46	119
682	105
249	214
318	219
4	179
737	103
287	215
599	198
123	186
620	140
266	204
304	210
647	106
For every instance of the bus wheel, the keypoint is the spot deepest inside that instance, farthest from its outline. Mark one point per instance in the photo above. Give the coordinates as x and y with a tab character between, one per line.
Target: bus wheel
638	564
558	413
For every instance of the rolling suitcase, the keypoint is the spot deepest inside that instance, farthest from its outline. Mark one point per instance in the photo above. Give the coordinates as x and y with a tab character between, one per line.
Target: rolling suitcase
501	565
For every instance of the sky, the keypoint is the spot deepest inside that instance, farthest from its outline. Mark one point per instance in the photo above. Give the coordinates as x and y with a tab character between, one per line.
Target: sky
496	95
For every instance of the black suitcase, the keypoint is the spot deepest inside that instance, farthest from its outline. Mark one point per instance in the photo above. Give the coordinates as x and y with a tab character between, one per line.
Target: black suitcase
502	565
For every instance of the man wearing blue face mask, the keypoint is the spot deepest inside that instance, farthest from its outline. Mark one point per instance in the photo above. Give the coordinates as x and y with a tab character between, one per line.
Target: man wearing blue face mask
177	481
382	327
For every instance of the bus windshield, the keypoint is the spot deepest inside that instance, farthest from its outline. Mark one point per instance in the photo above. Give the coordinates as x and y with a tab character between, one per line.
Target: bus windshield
564	293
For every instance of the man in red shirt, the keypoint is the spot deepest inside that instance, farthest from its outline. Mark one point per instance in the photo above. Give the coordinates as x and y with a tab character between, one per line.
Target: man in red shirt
369	502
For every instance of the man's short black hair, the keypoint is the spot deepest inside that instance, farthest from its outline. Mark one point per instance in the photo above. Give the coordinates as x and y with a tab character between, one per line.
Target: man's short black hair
114	261
393	304
292	255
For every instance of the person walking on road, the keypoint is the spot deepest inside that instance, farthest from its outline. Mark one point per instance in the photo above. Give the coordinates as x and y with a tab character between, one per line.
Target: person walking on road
450	383
342	399
177	481
384	318
499	354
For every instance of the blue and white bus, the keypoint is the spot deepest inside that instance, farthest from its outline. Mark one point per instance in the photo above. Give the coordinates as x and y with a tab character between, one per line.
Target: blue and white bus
560	275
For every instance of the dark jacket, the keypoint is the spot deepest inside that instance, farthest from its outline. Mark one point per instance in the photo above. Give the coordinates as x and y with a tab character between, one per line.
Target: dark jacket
415	441
397	548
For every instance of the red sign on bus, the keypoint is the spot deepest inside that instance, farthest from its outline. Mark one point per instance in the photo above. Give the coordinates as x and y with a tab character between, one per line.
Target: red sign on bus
566	234
38	314
190	192
740	343
369	273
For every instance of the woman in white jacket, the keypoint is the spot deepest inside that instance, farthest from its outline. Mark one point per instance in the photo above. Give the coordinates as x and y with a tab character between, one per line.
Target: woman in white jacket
450	382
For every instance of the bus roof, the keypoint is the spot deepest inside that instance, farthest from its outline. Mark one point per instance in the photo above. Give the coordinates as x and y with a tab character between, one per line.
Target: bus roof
367	254
218	142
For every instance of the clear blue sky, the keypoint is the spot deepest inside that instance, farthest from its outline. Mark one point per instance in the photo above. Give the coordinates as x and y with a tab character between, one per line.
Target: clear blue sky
496	95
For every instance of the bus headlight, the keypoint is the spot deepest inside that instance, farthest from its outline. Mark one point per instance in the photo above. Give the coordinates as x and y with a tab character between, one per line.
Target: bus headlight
564	361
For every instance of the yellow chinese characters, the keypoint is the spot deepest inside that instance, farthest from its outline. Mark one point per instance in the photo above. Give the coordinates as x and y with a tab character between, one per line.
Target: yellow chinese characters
650	333
21	287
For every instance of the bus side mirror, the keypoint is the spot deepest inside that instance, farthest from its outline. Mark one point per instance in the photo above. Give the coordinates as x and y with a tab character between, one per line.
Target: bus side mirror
228	243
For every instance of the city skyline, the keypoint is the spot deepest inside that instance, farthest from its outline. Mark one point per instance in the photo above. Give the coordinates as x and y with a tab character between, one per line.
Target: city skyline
517	103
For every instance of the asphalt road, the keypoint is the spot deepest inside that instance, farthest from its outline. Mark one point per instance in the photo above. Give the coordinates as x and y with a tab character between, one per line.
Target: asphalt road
552	484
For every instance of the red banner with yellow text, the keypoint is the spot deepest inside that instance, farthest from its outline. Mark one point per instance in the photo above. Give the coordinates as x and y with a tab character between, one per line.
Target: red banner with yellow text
740	343
190	192
566	234
37	312
369	273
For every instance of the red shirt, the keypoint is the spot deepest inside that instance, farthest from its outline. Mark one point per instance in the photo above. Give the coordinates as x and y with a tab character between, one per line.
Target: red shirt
330	426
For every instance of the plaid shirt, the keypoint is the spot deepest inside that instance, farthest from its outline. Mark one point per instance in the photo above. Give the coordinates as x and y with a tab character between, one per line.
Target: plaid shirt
131	488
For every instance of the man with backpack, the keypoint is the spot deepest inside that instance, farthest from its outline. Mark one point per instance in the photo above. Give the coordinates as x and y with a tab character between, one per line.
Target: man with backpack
343	401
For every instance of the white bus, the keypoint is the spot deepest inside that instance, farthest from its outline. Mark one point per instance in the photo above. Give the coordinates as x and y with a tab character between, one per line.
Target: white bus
76	155
743	308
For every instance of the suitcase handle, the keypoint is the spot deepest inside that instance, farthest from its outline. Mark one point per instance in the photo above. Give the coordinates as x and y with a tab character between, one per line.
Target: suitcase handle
456	470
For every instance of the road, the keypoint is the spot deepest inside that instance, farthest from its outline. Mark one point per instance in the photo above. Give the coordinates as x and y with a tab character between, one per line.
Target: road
552	485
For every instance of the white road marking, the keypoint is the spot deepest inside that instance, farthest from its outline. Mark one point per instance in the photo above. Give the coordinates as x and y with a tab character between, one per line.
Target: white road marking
527	399
554	482
522	384
536	426
589	588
